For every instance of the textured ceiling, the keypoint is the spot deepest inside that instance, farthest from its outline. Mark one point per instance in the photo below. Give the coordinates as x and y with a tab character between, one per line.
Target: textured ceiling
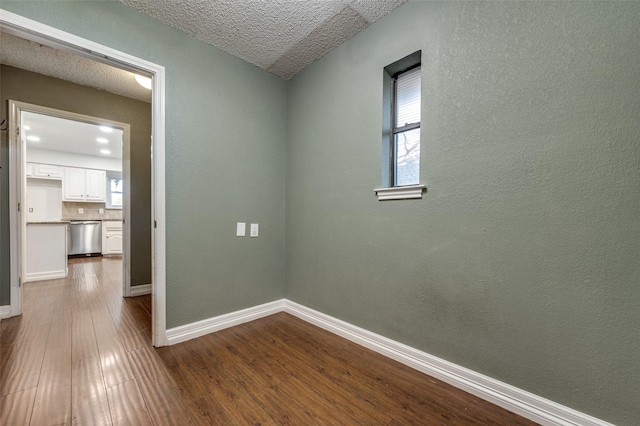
28	55
280	36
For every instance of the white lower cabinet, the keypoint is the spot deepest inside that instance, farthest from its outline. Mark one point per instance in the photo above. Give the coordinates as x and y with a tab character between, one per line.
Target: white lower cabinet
46	248
111	237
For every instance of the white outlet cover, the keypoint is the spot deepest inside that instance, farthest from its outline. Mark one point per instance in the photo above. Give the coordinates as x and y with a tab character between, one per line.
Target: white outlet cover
81	211
254	229
241	229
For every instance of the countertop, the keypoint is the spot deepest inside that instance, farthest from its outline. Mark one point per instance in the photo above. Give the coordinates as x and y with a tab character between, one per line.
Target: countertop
48	222
90	218
66	221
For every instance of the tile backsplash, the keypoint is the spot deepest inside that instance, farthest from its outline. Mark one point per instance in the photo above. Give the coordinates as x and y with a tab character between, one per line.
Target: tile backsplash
91	211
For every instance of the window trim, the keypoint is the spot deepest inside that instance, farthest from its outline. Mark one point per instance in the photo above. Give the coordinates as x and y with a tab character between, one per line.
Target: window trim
389	189
400	192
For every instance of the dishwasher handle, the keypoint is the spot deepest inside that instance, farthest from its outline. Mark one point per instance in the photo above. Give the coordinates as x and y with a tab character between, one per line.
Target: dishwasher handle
86	222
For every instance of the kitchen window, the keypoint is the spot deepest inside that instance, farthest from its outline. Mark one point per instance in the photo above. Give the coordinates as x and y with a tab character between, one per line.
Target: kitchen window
115	190
401	130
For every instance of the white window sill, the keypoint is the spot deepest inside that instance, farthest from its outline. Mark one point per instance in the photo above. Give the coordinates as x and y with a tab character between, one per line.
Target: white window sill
400	192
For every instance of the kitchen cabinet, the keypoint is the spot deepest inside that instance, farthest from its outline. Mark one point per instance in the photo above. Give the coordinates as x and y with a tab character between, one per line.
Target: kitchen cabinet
111	237
96	185
84	185
43	199
46	248
74	184
44	171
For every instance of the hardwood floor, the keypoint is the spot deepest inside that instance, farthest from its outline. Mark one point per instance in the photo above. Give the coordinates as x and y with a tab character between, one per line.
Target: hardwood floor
81	354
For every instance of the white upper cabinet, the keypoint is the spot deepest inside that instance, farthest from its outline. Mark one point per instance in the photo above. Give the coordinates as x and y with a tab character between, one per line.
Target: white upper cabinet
96	185
84	185
74	184
44	171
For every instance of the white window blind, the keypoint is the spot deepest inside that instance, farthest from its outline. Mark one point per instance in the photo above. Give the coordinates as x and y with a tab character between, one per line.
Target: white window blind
408	98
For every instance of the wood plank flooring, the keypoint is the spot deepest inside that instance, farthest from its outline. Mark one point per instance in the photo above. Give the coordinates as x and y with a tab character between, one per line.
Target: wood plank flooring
81	354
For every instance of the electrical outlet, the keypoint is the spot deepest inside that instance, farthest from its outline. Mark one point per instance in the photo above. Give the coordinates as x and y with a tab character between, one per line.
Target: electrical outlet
80	210
254	230
241	229
101	211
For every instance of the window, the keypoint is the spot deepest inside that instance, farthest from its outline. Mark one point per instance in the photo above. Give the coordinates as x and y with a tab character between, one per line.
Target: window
405	128
401	130
115	189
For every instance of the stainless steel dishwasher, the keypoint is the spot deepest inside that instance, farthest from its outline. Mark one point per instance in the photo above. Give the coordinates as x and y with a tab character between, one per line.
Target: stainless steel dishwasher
85	237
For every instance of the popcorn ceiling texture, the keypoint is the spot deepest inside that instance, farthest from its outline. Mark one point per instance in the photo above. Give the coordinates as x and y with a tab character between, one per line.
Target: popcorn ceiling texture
280	36
28	55
321	40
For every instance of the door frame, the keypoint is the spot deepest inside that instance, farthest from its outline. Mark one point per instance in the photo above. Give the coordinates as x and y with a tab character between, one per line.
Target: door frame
53	37
18	158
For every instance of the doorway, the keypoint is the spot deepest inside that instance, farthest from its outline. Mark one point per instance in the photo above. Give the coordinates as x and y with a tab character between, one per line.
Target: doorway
43	34
75	176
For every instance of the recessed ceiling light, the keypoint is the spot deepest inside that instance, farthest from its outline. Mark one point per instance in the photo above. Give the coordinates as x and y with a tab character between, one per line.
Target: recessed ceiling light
27	127
106	129
105	151
144	81
103	140
33	138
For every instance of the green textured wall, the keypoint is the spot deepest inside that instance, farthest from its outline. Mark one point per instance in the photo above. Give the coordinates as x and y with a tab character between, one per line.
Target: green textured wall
225	159
25	86
522	261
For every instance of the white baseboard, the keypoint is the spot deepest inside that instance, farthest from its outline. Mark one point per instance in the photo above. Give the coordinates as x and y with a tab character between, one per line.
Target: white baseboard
140	290
41	276
519	401
200	328
5	311
516	400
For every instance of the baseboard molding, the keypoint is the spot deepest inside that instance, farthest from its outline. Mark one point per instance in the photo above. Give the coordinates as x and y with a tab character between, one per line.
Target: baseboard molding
41	276
5	311
200	328
519	401
516	400
140	290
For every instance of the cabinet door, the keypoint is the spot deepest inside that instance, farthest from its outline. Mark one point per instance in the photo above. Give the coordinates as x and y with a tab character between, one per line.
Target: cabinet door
47	171
96	181
73	185
114	243
111	237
